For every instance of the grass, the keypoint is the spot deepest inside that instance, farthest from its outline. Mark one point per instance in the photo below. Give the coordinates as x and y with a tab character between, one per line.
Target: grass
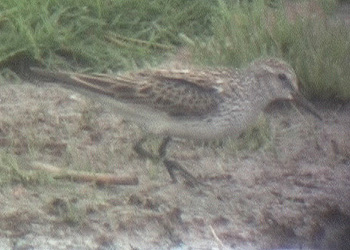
128	34
91	34
13	172
318	50
257	137
321	62
120	35
68	211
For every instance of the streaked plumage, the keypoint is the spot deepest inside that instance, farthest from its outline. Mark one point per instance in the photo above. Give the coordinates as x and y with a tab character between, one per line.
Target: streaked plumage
200	104
190	103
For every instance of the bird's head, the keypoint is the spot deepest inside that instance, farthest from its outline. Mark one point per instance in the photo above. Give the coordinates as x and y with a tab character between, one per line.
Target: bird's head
278	78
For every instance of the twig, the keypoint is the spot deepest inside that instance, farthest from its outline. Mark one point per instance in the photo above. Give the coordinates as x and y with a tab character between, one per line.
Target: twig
98	178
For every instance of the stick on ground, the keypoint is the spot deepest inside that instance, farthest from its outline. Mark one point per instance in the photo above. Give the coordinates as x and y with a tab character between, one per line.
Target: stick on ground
81	176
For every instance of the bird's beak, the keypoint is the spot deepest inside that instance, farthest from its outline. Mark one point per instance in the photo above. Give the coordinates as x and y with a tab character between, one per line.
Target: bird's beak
302	101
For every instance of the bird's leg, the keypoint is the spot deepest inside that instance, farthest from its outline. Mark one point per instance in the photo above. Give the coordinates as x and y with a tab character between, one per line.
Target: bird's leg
162	153
141	151
163	145
173	165
169	164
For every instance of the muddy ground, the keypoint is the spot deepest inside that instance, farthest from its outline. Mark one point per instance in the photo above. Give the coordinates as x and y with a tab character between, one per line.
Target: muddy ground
291	192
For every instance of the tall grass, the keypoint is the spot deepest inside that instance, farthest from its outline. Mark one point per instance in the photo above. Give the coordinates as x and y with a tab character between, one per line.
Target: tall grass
125	34
95	33
317	48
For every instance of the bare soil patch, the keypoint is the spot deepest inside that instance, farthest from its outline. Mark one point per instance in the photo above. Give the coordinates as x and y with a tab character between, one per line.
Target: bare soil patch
295	192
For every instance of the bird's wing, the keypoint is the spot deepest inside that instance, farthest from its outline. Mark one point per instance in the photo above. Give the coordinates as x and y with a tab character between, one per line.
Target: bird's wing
178	93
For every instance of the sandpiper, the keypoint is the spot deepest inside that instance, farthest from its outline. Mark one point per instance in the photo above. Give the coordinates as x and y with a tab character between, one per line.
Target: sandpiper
201	104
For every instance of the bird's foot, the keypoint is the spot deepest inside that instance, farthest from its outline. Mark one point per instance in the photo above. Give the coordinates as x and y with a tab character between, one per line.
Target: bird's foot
173	165
170	165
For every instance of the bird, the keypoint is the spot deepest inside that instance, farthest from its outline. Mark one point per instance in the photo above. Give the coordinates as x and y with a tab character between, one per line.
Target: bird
194	103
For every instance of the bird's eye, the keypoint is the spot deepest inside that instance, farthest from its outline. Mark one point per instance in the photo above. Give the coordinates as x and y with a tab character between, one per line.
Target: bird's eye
282	77
286	83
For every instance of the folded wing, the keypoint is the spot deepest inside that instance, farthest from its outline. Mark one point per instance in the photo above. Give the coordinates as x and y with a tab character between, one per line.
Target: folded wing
177	94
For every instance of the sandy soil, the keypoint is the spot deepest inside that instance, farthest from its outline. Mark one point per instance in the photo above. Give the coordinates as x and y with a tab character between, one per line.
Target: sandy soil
293	192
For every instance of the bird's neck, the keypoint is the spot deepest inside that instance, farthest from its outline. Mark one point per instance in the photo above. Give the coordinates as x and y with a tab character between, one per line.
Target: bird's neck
258	95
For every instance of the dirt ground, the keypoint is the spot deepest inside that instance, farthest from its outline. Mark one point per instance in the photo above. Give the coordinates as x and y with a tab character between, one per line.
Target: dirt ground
293	192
